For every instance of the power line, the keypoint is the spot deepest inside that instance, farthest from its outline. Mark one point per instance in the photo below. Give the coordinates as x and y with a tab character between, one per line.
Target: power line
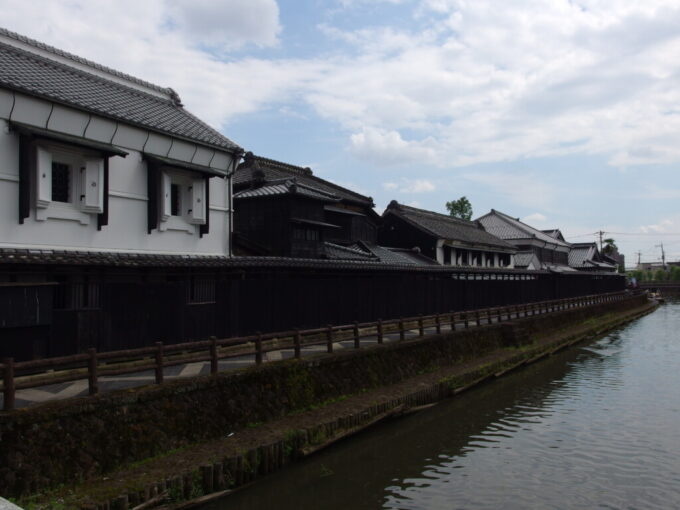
627	234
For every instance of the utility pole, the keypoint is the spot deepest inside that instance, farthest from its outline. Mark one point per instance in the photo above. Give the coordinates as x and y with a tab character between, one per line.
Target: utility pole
600	233
663	256
639	254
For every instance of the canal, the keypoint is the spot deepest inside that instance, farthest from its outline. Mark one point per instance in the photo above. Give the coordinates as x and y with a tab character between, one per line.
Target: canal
597	426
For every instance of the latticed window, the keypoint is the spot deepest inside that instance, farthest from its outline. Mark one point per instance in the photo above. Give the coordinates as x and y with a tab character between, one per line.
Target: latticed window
175	200
77	296
61	182
201	290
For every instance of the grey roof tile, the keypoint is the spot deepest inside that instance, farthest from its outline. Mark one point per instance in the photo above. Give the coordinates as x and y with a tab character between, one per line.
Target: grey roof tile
507	227
447	227
524	258
22	257
37	75
257	168
286	187
338	252
399	255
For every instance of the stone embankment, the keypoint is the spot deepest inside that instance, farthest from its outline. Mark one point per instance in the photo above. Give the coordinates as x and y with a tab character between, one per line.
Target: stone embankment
165	445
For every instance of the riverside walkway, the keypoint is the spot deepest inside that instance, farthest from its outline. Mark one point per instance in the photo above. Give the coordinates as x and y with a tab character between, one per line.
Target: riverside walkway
16	394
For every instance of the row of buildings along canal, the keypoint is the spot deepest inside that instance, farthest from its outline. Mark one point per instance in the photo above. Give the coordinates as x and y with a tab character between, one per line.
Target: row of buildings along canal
126	220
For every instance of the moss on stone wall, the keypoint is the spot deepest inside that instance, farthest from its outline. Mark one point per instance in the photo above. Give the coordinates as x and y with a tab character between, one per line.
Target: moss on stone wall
68	441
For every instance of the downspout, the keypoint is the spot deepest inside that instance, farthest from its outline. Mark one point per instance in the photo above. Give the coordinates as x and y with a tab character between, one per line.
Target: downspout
230	196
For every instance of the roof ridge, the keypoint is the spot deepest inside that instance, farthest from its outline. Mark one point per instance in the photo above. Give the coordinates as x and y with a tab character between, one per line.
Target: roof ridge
525	226
81	60
90	76
306	172
467	223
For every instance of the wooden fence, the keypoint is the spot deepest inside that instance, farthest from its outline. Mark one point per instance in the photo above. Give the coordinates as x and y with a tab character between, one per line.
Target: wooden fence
92	365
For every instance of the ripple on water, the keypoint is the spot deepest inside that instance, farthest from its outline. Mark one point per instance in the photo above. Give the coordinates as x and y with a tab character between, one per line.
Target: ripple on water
591	427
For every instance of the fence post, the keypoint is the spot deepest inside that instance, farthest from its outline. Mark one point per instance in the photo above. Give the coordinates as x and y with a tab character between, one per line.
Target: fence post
92	382
159	362
479	323
8	381
214	367
488	316
380	331
297	341
329	339
421	328
453	320
258	348
357	340
438	323
402	333
467	322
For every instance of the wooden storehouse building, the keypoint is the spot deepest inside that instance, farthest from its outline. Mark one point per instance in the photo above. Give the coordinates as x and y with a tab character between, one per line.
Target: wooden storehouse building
447	240
550	249
586	257
98	170
285	210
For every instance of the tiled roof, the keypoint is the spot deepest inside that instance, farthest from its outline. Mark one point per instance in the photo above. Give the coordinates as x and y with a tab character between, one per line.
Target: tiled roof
258	169
580	253
54	80
524	258
399	255
446	227
338	252
586	255
14	257
285	187
507	227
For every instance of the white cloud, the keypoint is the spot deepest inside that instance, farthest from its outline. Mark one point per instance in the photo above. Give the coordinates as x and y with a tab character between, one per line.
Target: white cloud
663	226
522	189
535	218
389	148
464	82
410	186
227	24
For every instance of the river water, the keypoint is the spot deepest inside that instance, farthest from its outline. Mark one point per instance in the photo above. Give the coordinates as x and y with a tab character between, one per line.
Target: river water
597	426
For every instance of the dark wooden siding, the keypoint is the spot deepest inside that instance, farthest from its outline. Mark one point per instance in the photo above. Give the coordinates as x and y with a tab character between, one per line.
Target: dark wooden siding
139	307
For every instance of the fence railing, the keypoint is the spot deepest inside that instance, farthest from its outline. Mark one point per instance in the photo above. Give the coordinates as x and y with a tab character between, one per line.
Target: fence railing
93	365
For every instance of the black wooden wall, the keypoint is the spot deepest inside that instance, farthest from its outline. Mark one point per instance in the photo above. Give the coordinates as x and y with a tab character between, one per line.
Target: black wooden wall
138	307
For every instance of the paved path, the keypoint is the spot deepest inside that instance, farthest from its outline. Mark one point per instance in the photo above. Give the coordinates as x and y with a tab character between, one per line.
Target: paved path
28	397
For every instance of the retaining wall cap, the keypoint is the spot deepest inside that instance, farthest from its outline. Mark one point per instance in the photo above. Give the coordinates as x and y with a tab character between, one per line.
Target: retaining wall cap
6	505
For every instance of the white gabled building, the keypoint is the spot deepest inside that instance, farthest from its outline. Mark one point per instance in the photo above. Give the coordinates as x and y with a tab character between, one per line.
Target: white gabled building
94	160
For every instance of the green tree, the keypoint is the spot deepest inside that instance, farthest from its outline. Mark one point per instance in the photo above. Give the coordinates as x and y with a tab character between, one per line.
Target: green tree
659	275
609	246
461	208
675	273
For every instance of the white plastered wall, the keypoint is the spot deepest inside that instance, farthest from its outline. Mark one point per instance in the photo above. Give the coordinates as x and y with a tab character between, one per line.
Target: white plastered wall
127	226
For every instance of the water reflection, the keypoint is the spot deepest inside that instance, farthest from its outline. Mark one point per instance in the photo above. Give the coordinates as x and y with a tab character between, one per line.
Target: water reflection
595	426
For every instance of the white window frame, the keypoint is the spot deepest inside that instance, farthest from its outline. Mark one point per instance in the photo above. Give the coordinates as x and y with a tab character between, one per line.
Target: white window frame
187	181
84	166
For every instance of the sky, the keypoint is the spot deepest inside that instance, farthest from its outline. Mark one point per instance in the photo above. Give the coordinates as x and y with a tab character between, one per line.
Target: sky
563	113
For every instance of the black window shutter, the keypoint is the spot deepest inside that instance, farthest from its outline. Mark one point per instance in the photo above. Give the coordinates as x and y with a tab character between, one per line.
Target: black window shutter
205	228
153	188
26	175
103	217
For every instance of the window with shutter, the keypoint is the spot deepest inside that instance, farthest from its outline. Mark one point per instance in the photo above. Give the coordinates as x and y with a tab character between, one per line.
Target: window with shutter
69	183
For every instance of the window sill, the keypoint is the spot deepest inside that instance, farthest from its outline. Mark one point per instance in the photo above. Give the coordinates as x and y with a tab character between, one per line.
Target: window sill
62	212
179	224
